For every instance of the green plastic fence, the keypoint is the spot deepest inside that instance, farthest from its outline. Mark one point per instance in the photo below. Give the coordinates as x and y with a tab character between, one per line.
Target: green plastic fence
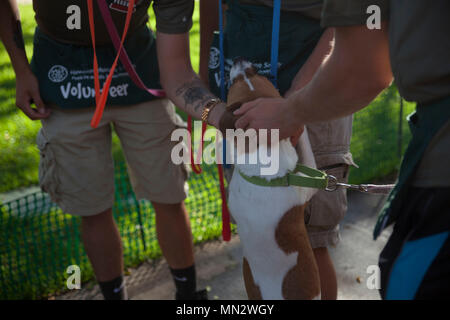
39	242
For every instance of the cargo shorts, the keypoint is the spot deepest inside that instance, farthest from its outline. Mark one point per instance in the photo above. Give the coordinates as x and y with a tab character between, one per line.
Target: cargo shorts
76	166
330	143
326	210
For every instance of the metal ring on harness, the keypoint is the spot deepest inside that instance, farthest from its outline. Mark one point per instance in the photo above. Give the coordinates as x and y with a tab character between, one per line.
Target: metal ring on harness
332	183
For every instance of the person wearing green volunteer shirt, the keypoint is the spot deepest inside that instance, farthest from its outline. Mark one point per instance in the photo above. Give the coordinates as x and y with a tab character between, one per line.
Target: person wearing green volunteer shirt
303	45
76	166
413	39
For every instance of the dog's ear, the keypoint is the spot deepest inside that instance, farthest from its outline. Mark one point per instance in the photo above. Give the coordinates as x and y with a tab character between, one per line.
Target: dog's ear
228	119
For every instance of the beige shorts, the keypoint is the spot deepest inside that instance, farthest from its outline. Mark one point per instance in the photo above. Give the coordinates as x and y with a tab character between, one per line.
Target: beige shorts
326	210
76	166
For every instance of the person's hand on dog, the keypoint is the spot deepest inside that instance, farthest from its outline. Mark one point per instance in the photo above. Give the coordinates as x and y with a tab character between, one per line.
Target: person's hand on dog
270	113
27	93
228	119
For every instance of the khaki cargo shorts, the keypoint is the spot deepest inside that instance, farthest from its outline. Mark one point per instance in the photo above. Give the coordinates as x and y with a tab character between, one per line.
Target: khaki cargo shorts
76	166
330	142
326	210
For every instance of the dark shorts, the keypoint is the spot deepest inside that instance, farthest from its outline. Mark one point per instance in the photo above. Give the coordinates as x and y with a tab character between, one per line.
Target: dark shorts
415	263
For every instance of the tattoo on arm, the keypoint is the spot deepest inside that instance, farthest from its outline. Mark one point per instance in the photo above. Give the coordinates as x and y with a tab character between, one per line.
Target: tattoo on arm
17	34
194	93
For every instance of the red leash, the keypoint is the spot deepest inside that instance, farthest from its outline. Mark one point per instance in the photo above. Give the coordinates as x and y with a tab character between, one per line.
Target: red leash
101	98
101	102
196	165
226	229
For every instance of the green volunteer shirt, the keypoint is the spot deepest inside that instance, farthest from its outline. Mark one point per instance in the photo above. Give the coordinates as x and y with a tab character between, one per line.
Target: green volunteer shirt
172	16
309	8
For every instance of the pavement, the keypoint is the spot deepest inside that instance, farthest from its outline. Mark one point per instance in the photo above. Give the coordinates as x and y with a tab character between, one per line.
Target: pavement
219	263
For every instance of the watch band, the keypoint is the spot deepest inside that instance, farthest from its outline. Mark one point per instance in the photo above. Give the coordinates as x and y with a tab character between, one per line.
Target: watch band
208	107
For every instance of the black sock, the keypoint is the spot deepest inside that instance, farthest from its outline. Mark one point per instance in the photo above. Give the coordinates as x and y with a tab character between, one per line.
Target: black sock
114	289
185	281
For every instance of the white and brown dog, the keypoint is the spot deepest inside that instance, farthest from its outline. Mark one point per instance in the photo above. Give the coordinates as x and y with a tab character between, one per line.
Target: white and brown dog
278	260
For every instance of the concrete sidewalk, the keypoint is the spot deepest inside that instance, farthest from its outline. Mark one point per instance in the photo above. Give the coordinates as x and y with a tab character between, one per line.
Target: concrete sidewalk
219	264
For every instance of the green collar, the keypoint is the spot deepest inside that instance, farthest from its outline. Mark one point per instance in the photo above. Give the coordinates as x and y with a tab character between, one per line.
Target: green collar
314	179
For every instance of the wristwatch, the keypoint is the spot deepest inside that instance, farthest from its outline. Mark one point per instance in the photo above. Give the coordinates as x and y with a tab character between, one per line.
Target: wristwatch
208	107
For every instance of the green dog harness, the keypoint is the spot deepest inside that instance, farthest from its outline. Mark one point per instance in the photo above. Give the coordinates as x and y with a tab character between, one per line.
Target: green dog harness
313	179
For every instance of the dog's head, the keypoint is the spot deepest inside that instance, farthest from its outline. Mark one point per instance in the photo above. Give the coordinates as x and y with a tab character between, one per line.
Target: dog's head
246	85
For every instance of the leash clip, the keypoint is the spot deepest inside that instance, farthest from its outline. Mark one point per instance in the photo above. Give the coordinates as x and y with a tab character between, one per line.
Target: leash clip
333	184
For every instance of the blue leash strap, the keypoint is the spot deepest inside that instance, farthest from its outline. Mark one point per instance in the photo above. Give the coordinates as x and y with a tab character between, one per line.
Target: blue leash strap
222	78
275	41
273	56
222	58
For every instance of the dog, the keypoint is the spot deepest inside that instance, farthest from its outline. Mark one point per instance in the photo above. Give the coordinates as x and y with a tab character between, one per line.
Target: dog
278	259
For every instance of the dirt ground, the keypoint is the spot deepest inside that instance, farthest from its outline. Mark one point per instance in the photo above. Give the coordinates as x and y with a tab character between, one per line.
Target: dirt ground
219	264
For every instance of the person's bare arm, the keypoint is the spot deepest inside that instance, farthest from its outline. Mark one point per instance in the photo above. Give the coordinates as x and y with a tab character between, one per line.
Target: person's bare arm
11	35
209	22
181	83
309	68
315	60
356	71
27	88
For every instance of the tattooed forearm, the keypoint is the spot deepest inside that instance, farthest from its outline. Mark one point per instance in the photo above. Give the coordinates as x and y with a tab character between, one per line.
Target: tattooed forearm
17	34
194	94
